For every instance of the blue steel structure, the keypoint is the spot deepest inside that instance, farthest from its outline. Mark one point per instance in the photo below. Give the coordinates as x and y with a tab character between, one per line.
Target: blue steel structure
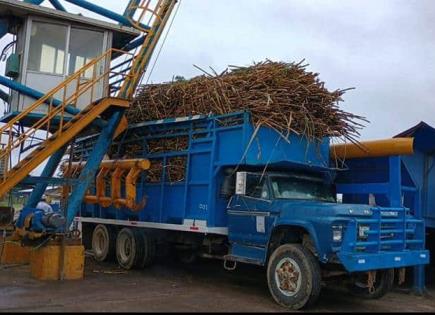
396	181
113	116
217	145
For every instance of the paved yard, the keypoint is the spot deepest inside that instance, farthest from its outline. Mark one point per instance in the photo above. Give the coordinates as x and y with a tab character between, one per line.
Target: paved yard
204	286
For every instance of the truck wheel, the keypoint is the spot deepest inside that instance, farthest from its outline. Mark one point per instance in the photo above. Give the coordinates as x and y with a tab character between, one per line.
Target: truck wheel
147	246
293	276
129	248
103	242
383	284
187	257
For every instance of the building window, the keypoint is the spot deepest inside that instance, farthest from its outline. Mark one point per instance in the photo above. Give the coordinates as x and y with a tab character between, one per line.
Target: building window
85	45
47	43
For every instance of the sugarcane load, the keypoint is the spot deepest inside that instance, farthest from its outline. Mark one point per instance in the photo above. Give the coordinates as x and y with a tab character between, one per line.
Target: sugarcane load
282	96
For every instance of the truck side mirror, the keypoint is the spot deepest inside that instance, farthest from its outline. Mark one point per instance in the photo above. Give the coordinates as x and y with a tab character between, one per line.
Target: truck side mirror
241	183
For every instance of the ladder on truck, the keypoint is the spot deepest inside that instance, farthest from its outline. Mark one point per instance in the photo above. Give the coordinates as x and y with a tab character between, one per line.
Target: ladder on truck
61	121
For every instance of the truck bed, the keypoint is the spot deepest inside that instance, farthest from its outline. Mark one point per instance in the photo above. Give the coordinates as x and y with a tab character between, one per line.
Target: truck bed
207	147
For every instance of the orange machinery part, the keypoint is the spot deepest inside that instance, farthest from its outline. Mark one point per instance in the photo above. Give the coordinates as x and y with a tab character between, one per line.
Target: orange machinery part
376	148
119	167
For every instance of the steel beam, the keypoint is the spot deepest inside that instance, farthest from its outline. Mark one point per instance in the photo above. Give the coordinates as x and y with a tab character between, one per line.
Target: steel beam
57	5
25	90
89	171
48	171
57	181
103	11
128	13
4	27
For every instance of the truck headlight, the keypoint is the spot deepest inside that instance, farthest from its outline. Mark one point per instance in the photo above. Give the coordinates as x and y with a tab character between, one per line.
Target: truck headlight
337	233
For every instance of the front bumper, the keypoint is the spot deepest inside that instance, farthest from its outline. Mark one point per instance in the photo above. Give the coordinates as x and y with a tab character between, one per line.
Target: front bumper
354	262
389	242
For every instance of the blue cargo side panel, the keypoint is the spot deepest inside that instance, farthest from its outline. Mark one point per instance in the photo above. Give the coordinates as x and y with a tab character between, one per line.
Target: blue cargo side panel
198	188
271	147
265	146
152	210
231	146
173	204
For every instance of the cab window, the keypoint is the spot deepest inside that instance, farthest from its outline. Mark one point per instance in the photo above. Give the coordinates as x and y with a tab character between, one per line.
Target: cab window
256	187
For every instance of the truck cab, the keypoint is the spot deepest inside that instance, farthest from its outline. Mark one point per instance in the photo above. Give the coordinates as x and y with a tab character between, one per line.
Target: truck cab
291	222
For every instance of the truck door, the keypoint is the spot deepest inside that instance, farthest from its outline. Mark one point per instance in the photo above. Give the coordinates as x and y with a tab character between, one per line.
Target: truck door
249	215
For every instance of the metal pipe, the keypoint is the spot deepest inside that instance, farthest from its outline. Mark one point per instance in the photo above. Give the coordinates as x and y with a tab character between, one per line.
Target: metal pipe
57	5
377	148
130	46
104	12
25	90
116	186
129	13
130	188
88	174
134	44
142	164
48	171
4	96
35	2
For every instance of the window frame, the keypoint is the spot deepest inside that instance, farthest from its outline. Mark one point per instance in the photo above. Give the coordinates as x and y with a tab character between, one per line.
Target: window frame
32	20
103	47
69	26
266	181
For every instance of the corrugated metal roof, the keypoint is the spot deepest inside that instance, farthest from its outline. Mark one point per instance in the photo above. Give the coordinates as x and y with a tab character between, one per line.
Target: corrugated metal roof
424	137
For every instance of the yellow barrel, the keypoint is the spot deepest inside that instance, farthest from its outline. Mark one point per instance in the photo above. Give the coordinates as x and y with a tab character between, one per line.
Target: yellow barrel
376	148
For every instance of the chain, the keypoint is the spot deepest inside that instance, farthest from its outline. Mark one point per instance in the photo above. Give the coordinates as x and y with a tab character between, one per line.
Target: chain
371	281
402	274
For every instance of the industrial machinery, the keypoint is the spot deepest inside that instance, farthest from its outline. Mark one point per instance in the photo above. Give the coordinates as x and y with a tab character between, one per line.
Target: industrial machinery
227	191
68	75
242	194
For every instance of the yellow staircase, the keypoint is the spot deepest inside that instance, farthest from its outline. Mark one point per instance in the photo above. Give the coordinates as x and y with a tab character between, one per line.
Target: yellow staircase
61	122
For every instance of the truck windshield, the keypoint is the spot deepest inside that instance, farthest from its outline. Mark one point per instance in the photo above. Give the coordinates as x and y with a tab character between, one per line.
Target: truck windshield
289	187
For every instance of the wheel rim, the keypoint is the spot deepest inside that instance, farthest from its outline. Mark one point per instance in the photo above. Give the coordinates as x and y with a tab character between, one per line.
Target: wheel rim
125	247
100	242
288	278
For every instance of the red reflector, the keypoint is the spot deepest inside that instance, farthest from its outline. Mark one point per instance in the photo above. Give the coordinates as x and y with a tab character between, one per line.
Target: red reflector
194	228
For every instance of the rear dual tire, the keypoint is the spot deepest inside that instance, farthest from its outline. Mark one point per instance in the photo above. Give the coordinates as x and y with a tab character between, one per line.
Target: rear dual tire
134	249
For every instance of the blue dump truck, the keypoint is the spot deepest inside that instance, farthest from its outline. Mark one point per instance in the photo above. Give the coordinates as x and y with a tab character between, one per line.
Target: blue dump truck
219	187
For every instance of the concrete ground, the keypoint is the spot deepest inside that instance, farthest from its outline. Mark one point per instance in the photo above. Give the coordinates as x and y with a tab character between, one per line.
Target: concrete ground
170	287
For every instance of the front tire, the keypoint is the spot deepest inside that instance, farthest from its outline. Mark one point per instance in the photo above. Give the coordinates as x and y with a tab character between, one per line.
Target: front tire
293	276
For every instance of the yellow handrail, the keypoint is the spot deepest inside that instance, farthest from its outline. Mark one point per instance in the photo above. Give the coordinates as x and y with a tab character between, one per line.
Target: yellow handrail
60	109
125	84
